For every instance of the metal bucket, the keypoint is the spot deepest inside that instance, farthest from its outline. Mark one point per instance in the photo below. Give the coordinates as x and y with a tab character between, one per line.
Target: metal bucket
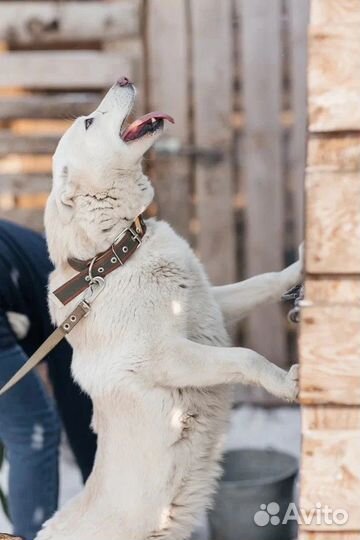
254	494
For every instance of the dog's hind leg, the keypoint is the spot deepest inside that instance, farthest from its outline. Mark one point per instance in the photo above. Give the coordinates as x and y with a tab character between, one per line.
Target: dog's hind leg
64	524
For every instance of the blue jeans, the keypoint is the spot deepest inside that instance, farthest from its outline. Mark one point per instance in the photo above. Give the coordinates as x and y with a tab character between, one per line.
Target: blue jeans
30	431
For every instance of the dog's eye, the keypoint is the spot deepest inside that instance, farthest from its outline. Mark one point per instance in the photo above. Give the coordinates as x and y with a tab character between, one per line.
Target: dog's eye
88	122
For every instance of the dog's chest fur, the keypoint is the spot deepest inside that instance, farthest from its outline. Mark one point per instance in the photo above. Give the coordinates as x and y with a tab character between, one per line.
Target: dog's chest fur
158	447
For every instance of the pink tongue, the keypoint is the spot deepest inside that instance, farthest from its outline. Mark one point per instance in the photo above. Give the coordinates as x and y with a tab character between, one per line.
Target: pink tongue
131	130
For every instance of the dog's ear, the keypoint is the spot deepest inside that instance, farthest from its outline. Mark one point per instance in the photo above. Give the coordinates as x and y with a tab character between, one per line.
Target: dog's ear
64	196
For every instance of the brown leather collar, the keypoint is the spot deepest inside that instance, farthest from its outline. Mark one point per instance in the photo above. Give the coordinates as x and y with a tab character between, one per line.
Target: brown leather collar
102	264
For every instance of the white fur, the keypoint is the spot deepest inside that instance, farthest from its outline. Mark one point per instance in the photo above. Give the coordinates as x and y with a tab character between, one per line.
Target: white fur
154	353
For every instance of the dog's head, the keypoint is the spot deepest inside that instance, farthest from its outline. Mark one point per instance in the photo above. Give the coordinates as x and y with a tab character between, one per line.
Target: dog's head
97	178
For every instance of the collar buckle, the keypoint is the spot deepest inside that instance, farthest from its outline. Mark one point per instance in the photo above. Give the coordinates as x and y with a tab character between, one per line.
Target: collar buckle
133	233
135	236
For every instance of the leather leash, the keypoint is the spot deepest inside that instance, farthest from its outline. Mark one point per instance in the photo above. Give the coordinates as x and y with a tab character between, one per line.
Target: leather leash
90	278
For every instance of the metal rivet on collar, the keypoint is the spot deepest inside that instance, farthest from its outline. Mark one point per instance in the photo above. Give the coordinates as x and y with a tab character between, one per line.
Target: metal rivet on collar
72	318
66	326
113	260
138	230
125	249
100	270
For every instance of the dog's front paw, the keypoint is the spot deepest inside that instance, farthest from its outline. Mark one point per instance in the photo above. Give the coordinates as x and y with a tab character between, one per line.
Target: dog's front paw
299	266
301	252
293	275
291	384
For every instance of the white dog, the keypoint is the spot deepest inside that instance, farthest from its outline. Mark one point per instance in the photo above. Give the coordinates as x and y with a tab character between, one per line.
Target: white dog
154	352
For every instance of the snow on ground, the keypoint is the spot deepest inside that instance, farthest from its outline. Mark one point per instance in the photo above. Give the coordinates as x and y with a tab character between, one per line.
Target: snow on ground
255	427
250	427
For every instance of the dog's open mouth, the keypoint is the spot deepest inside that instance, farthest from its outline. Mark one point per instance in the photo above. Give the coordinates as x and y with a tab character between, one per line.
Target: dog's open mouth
147	124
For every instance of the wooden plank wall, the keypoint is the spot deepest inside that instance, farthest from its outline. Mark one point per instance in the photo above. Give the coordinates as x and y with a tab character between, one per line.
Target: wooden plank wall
330	333
228	175
167	23
265	194
239	93
53	67
212	102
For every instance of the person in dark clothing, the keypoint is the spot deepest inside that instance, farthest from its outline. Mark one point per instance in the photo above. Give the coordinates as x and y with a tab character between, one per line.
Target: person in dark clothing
29	417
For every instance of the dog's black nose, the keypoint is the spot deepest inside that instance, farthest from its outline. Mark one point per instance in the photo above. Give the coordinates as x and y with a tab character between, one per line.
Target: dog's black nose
124	81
